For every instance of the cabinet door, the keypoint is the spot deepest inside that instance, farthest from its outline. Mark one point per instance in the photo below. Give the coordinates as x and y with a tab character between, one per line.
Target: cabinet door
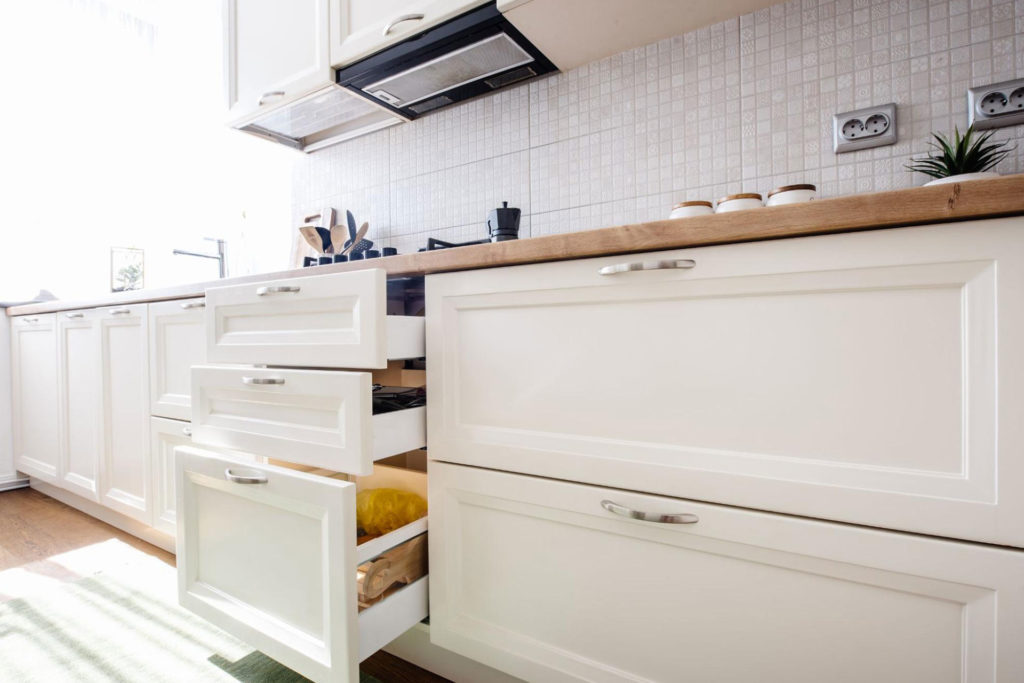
275	51
176	342
361	27
125	469
165	436
537	578
35	397
870	377
78	351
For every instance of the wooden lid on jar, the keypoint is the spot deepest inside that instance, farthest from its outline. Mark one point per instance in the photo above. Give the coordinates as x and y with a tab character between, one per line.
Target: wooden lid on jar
788	188
741	195
696	202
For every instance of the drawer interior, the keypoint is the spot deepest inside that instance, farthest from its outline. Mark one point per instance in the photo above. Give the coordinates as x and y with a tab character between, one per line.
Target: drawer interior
389	562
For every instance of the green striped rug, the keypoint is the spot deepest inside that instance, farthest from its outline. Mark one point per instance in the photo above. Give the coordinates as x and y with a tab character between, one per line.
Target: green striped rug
121	624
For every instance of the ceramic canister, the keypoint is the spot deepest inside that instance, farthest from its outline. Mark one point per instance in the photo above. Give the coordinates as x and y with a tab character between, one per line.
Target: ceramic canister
791	194
694	208
739	202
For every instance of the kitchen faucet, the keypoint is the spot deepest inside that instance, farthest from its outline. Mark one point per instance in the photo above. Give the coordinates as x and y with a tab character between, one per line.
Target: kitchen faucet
222	264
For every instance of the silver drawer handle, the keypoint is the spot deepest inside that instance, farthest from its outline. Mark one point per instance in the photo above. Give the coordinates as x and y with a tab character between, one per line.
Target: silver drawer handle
121	311
674	264
187	431
280	289
262	380
682	518
272	93
244	479
193	304
398	20
30	320
76	315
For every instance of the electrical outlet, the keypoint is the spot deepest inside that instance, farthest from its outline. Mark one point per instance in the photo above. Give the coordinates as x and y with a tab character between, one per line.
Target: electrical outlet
996	105
864	128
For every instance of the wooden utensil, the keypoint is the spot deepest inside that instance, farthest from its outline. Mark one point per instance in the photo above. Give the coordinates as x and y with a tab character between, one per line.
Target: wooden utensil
312	238
338	238
358	239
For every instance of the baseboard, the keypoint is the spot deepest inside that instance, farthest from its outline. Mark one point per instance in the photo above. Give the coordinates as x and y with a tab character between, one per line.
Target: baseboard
13	481
414	646
105	514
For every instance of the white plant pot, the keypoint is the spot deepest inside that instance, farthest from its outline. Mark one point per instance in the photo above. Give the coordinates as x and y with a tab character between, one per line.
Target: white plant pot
963	177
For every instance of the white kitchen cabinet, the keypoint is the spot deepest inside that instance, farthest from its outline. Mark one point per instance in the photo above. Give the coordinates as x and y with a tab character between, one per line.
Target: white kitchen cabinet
873	377
321	418
78	370
177	341
35	395
275	52
535	577
338	320
124	367
165	436
269	554
360	28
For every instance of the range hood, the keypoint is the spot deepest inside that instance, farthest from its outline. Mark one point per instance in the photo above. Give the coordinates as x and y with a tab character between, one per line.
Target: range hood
474	54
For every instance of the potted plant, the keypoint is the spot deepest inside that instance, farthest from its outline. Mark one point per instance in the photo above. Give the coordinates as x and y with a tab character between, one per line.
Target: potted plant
966	157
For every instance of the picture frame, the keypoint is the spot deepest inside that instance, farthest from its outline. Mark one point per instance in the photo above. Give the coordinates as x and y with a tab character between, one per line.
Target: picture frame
127	269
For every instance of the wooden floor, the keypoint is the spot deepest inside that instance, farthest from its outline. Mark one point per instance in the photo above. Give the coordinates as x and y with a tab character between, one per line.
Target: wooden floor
34	526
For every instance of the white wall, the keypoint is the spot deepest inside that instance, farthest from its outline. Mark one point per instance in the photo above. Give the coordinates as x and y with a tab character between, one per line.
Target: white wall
744	105
119	141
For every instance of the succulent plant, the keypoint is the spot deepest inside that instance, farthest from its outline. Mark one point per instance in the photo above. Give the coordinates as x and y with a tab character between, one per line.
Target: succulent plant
969	153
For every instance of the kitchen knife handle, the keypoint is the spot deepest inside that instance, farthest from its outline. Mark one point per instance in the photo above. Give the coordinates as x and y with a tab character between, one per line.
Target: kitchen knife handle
398	20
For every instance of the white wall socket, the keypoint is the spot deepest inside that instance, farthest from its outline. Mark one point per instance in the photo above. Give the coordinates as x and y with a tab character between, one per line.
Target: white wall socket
996	105
864	128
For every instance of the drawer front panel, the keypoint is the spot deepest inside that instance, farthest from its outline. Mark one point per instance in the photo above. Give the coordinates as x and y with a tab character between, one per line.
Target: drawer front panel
273	562
335	320
855	377
322	418
534	577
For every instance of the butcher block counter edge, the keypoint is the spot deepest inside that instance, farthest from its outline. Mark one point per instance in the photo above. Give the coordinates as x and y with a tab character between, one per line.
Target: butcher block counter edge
976	199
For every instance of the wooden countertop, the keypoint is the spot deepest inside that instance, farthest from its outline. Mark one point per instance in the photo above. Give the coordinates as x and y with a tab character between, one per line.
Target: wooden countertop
916	206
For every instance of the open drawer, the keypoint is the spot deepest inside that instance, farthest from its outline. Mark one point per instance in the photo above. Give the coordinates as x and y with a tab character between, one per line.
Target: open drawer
337	320
322	418
270	555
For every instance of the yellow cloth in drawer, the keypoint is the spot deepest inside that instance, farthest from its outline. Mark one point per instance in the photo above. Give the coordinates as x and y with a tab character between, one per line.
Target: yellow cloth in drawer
381	511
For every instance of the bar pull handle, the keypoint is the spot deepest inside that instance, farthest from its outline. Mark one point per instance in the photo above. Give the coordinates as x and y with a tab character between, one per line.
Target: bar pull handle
623	511
244	478
671	264
121	311
262	381
280	289
193	304
77	314
273	93
187	431
398	20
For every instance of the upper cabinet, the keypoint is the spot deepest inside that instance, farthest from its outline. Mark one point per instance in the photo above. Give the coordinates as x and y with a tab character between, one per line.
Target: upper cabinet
274	52
576	32
361	27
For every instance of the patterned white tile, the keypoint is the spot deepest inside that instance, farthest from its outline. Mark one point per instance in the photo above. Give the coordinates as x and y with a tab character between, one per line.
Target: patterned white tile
745	104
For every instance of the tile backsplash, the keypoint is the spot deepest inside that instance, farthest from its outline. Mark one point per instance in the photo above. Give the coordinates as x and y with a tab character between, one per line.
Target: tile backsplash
743	105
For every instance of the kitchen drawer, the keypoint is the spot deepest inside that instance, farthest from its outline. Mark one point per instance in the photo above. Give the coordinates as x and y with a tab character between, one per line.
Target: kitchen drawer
337	320
269	554
322	418
535	577
874	378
